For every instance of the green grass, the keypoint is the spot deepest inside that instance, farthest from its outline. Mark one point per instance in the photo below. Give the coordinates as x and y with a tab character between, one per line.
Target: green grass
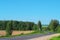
55	38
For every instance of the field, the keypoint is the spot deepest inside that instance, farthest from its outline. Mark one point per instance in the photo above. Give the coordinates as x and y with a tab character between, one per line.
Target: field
3	33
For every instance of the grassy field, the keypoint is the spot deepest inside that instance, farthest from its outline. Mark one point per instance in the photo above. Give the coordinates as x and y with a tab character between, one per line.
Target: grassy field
3	33
55	38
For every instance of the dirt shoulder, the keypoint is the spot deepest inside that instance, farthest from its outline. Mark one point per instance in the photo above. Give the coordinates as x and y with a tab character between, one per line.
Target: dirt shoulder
45	37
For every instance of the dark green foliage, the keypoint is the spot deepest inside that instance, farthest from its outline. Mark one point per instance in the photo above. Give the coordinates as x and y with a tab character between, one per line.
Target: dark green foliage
9	28
53	25
2	25
40	25
35	27
20	26
17	25
58	28
14	25
25	25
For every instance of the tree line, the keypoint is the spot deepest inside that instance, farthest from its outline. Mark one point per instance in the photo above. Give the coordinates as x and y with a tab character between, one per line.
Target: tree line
17	25
54	26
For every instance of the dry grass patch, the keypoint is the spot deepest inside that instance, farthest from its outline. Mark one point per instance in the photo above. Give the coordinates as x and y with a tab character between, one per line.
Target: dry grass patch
3	32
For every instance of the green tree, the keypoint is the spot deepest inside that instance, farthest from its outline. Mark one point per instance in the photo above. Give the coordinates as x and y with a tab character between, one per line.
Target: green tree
15	25
53	25
40	25
9	28
2	25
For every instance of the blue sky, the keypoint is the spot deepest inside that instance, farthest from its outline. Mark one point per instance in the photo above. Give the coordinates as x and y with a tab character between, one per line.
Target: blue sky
30	10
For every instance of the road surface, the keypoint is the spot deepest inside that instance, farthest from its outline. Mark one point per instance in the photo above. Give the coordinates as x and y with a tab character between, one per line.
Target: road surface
31	37
47	37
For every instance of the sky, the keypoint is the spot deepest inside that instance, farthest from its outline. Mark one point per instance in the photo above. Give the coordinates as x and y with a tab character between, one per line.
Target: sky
30	10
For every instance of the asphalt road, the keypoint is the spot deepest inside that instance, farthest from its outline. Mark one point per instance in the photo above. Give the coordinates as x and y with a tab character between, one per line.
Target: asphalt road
26	37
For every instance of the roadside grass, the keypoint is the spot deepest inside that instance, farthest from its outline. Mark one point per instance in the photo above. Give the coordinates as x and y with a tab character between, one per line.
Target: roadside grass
55	38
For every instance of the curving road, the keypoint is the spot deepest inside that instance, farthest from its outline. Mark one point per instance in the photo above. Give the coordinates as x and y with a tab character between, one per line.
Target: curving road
28	37
47	37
